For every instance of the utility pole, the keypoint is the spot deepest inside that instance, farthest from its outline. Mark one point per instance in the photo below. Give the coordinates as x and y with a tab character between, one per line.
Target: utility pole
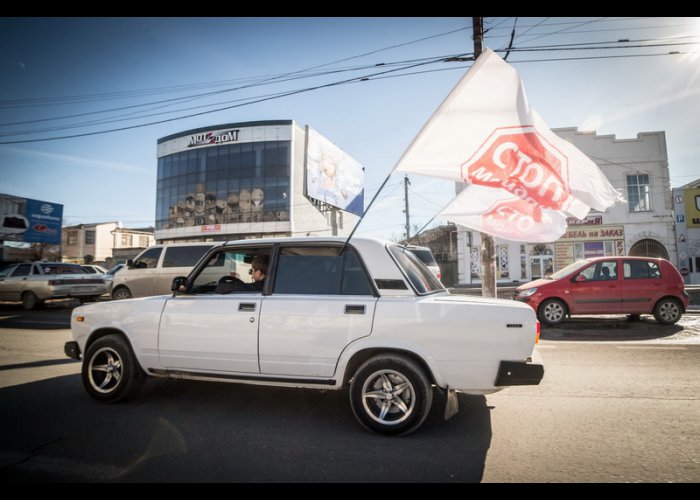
407	183
488	262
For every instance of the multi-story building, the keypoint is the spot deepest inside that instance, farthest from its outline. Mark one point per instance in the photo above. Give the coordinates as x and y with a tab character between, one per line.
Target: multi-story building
254	179
643	225
99	242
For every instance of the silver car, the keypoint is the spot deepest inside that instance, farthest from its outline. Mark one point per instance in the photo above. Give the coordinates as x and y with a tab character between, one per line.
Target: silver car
34	282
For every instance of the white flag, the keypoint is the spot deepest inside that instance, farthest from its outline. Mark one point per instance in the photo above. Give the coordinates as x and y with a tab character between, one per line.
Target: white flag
486	134
499	213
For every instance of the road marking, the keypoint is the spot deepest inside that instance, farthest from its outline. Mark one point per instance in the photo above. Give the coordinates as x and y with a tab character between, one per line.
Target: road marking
647	347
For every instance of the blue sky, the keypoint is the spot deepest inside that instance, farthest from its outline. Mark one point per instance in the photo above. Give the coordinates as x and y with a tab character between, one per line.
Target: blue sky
52	68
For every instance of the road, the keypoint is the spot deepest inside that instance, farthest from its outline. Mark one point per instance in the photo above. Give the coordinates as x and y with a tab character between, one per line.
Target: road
617	404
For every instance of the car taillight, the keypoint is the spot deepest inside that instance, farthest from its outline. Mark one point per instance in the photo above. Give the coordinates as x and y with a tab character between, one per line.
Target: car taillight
537	336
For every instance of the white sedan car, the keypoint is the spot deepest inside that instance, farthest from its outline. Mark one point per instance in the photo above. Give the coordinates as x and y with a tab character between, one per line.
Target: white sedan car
368	314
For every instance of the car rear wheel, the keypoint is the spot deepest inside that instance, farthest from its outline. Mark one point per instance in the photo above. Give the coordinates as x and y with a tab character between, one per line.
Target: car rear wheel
30	300
552	312
110	371
391	394
668	311
121	293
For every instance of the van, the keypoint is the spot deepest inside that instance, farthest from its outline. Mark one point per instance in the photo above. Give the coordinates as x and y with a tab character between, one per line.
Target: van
425	255
153	270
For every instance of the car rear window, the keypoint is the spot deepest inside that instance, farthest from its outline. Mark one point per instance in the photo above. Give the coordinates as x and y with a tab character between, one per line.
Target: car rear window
186	256
61	269
421	278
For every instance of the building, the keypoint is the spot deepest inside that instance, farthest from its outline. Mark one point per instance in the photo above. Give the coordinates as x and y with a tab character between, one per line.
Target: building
686	203
103	243
643	226
252	180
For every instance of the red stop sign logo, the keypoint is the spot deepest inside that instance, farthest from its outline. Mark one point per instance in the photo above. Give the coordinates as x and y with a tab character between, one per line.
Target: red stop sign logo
514	218
521	161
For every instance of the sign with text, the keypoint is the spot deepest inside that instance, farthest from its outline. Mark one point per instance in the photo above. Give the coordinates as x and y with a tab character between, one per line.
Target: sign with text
30	221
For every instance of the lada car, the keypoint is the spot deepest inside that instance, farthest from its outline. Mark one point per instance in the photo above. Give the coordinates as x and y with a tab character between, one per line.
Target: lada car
32	283
366	316
609	285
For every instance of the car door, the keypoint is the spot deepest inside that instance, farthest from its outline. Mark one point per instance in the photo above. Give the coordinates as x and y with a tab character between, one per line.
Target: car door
14	284
321	301
4	281
202	331
641	285
595	291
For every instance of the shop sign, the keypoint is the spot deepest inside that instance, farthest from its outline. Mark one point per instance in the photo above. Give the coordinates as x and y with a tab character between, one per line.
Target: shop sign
598	233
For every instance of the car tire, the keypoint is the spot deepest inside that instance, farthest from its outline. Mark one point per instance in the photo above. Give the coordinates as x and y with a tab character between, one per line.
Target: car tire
30	301
110	372
552	312
121	293
391	394
668	311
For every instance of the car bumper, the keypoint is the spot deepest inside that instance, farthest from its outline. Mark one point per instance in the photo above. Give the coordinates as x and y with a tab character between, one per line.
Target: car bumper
519	373
72	350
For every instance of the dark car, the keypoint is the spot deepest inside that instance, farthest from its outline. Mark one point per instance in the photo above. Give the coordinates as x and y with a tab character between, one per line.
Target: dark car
609	285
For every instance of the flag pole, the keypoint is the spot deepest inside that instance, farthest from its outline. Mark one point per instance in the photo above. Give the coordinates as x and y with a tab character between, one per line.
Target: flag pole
366	210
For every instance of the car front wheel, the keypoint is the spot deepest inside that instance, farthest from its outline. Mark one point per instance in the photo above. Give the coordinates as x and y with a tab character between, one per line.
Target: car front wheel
391	394
121	293
552	312
110	371
667	311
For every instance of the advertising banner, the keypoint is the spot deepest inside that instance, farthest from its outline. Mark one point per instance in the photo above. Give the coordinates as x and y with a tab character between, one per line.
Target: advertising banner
332	176
30	221
692	207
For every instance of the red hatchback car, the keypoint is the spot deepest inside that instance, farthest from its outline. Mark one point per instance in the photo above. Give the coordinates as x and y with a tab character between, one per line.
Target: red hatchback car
609	285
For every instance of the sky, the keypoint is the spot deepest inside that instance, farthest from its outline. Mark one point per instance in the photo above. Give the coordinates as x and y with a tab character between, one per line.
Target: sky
368	84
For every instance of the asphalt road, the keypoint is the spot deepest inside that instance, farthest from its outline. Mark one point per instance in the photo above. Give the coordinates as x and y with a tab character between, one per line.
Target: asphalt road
619	403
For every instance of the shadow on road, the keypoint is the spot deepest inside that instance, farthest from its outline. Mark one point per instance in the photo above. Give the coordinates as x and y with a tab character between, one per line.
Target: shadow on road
194	431
609	328
53	315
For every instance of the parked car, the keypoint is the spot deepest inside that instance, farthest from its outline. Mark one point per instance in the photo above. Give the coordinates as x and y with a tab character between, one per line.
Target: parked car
93	269
425	255
609	285
367	315
34	282
153	270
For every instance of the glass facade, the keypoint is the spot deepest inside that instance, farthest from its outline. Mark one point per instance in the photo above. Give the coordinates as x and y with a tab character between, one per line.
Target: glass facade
225	184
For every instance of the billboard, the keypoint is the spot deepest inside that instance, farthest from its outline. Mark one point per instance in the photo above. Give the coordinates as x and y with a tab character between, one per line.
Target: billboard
30	221
332	176
692	207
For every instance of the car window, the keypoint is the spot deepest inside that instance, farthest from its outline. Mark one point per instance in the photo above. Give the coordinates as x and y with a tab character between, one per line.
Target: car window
89	270
59	268
425	256
148	259
641	269
186	256
22	270
420	277
320	271
226	264
7	271
601	271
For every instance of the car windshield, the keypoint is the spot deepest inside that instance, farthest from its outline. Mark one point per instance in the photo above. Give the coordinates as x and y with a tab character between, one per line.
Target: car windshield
420	276
568	270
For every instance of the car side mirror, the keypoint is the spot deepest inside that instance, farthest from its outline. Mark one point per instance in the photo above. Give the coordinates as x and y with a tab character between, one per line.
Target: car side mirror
579	278
179	284
130	263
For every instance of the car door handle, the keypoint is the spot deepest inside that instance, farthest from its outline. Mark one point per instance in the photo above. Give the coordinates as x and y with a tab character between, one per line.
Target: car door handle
246	307
353	309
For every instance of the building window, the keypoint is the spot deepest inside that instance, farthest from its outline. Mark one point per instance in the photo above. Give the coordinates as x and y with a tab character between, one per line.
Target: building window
143	241
126	240
638	192
72	237
89	237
